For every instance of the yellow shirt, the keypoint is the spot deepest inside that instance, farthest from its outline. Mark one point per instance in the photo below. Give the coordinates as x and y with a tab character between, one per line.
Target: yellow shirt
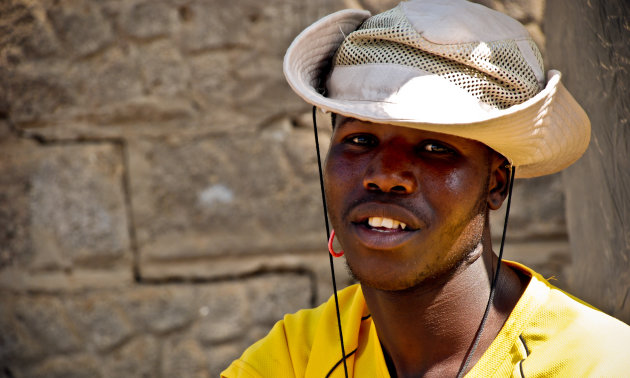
547	334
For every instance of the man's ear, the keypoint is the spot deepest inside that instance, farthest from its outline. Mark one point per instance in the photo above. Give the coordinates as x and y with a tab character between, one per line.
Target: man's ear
499	181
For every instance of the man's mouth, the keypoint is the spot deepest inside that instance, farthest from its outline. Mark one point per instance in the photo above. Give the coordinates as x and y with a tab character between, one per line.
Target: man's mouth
383	224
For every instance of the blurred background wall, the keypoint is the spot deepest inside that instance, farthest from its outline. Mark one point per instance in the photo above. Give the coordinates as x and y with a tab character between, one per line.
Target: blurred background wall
594	56
159	199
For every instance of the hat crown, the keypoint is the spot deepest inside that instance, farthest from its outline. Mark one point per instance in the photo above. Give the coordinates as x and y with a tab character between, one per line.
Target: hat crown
486	54
460	21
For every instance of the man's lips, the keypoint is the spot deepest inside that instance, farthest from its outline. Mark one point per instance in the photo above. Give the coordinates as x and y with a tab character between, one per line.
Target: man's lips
386	216
379	226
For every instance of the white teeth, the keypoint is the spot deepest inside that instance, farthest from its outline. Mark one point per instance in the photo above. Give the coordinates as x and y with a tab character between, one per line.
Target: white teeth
386	223
375	221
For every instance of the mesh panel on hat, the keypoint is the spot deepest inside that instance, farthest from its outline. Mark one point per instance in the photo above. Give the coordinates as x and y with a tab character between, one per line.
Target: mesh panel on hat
494	72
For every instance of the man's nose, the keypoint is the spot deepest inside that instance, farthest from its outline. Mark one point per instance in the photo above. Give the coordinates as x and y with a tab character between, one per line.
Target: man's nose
391	171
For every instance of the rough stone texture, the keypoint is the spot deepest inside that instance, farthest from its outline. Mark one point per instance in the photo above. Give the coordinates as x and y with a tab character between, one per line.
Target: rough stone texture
148	19
140	357
268	297
217	306
193	201
184	358
159	199
591	47
34	93
163	69
150	331
16	341
80	26
100	320
72	366
75	61
537	211
48	323
160	311
62	206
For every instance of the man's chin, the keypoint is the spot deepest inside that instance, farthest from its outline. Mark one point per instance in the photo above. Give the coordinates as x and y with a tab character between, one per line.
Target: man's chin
405	282
389	284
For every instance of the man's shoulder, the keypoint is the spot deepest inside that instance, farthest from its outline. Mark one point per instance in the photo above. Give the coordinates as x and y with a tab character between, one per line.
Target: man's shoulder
575	336
562	313
570	318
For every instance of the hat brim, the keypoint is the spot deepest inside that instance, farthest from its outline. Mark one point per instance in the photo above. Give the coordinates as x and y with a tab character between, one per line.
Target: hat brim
540	136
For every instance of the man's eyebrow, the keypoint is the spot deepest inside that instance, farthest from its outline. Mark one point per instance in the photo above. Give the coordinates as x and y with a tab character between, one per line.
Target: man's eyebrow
341	120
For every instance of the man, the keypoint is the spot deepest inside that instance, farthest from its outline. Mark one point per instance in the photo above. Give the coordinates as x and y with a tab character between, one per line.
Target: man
437	104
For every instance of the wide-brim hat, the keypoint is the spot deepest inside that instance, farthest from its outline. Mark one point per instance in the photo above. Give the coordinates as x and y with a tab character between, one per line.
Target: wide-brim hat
445	66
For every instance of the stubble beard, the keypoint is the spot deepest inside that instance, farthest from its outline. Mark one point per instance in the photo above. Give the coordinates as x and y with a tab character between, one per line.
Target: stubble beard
469	251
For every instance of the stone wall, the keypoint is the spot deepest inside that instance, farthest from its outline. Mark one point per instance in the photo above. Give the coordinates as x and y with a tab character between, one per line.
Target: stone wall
159	199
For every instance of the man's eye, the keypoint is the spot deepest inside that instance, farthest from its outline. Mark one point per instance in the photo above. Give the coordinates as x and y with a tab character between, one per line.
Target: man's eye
362	140
437	148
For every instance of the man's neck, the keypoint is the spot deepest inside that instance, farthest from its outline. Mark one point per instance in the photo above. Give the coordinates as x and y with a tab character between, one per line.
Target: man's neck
427	330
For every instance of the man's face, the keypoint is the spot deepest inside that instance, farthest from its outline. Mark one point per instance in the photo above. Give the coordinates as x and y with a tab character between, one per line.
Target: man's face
407	205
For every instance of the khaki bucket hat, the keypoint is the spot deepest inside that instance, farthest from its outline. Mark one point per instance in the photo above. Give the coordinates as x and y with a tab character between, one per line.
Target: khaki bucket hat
446	66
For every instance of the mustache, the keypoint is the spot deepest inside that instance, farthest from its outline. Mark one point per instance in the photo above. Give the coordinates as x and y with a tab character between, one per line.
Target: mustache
387	199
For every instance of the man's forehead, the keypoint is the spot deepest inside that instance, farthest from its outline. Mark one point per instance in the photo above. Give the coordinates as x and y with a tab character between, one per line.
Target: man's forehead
344	123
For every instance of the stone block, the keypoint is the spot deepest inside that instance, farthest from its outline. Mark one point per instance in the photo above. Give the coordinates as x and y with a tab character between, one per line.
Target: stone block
111	77
148	19
81	26
213	79
164	70
223	312
17	344
63	206
47	323
147	111
139	357
271	297
33	95
243	82
70	366
15	279
15	243
100	320
160	309
537	211
242	66
210	25
184	358
29	30
212	196
230	267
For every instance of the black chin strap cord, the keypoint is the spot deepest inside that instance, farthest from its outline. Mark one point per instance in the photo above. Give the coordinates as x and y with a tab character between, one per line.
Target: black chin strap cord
493	285
332	266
